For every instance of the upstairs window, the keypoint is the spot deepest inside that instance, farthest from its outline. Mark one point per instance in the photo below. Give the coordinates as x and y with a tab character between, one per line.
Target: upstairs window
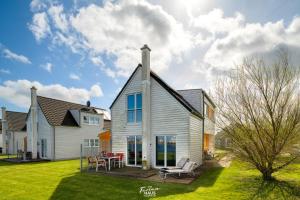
134	108
91	120
205	109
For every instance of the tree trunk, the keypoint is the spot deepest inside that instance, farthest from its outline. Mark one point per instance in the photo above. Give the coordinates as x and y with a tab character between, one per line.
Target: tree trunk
267	175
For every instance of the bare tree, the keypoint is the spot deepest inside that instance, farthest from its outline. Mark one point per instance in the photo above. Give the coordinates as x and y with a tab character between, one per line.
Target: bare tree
259	109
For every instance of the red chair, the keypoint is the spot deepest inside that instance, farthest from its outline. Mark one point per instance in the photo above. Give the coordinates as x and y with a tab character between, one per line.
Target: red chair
120	159
110	154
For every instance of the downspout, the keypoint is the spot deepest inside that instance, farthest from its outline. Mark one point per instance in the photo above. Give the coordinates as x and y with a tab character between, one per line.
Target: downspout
203	126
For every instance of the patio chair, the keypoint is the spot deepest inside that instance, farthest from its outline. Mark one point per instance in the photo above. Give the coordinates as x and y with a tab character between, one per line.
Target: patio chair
120	159
100	163
187	169
179	165
91	162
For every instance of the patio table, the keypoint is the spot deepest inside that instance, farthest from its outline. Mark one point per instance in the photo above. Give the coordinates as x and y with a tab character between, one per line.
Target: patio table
109	159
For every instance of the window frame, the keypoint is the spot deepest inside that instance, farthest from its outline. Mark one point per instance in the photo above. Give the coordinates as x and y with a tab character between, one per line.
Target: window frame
135	109
90	141
91	120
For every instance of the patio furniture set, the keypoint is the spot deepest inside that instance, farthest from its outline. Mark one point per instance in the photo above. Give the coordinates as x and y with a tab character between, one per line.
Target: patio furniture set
106	160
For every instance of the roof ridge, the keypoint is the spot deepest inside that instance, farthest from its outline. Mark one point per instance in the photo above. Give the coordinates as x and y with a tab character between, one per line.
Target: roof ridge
190	89
16	112
70	102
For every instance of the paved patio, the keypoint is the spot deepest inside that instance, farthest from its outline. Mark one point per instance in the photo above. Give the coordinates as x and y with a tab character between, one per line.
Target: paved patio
153	174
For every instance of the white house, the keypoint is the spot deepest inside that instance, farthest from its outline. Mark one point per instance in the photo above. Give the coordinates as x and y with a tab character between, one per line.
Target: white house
152	122
56	128
13	131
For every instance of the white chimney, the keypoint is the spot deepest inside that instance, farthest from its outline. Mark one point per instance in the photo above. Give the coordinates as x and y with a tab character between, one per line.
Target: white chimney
146	126
33	112
4	123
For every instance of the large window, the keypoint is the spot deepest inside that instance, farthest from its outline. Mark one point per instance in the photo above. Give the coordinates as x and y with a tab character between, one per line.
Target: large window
134	108
91	120
165	151
134	150
91	142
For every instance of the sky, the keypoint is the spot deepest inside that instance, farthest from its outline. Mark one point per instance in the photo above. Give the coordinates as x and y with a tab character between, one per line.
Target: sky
85	50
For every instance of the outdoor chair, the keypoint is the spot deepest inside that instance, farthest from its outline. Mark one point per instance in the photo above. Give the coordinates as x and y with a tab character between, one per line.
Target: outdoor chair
91	162
120	159
187	169
179	165
100	163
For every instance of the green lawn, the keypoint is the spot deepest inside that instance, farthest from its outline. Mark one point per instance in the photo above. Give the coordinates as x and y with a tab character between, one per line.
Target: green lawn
62	180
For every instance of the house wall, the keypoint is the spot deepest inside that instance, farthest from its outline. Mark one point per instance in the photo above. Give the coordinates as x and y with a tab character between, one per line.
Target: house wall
119	127
1	139
168	117
45	131
29	132
209	125
196	139
68	139
15	141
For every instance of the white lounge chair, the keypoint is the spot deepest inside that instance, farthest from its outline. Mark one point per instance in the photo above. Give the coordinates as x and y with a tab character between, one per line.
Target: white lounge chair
188	169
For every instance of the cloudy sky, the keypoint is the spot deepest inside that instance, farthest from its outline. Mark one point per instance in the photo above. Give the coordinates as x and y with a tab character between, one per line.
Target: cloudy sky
80	50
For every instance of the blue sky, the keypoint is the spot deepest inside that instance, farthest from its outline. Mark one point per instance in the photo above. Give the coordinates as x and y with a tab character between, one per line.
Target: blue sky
80	50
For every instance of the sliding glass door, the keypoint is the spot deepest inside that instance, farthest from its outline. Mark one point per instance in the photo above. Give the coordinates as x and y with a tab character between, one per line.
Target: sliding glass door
134	150
165	151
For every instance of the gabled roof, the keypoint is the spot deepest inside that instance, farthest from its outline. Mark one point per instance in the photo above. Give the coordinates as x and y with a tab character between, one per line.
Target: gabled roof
173	92
16	121
57	112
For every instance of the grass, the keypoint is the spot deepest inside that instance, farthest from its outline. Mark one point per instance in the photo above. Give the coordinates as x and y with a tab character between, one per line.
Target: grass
62	180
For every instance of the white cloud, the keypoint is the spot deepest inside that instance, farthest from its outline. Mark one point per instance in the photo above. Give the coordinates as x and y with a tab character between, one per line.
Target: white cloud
190	38
253	39
74	76
18	92
17	57
58	17
40	26
131	24
47	66
37	5
4	71
215	22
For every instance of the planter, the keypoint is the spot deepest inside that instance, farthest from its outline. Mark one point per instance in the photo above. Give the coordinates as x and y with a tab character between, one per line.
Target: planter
144	165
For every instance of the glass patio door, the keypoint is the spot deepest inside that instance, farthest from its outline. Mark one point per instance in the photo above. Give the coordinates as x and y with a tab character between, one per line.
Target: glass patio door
134	150
165	151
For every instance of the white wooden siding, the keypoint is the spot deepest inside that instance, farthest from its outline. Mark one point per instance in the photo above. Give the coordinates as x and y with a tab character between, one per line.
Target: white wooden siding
29	132
168	117
45	131
119	126
196	138
68	139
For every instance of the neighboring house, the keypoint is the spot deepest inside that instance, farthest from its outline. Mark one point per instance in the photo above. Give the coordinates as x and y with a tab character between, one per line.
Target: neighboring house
222	140
154	124
57	128
13	129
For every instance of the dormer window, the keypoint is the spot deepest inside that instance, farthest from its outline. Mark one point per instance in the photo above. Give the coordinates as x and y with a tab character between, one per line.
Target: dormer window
91	120
134	108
